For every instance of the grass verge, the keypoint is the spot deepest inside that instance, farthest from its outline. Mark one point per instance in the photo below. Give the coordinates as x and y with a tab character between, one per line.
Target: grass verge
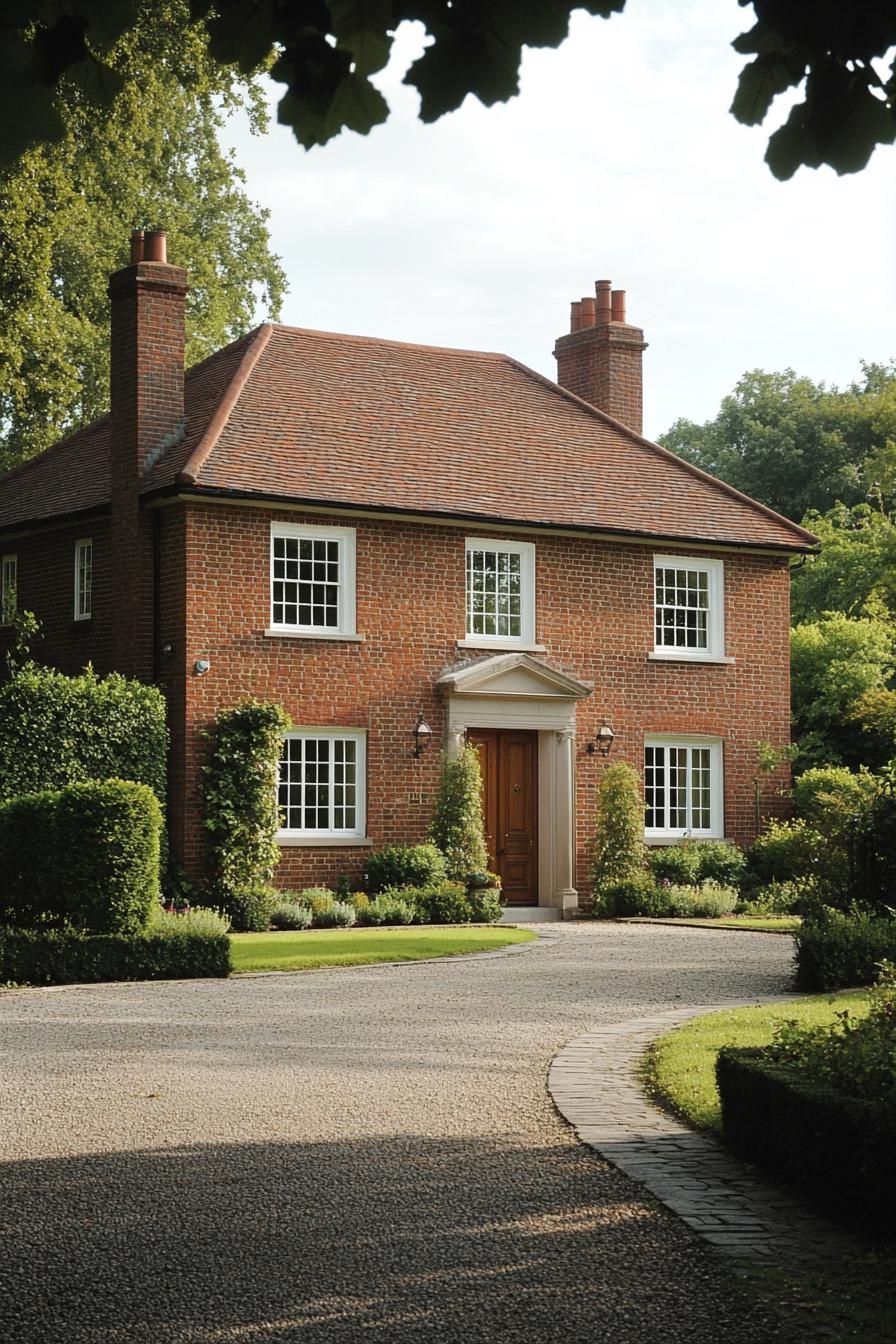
358	947
853	1302
679	1069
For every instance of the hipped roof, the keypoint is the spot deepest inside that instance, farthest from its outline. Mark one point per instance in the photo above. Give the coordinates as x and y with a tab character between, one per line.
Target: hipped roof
357	423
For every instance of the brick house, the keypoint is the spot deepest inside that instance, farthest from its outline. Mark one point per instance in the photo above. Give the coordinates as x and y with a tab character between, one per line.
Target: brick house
370	532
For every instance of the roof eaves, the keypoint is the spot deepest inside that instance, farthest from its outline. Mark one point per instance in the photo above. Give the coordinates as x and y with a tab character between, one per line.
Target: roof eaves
189	473
807	537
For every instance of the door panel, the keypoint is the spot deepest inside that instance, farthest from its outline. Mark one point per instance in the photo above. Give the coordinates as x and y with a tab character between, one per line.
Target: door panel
509	763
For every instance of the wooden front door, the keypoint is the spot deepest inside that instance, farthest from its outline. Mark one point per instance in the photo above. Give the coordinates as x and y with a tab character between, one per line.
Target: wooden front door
509	761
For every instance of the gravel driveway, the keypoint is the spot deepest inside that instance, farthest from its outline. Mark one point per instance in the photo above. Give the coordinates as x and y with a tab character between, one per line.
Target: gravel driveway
358	1154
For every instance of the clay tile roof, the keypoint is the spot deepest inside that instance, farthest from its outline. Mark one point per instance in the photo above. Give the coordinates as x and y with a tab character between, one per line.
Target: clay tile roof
355	422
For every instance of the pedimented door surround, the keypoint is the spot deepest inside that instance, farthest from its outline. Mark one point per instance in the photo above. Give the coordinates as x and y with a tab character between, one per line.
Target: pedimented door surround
515	690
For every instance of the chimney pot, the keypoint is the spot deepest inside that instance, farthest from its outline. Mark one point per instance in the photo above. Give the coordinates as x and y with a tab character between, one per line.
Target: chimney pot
136	246
588	312
600	360
575	315
618	301
602	290
155	247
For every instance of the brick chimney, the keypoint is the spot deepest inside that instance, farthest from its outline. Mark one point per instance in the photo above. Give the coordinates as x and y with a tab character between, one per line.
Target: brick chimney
147	392
600	359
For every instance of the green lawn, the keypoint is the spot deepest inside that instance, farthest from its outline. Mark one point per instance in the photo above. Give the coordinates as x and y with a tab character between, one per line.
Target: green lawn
850	1302
358	947
679	1069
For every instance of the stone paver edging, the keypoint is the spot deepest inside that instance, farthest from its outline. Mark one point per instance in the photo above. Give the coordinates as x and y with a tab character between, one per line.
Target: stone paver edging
593	1083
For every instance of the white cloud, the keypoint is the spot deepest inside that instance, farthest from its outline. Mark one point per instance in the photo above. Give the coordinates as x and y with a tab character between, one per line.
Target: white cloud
619	160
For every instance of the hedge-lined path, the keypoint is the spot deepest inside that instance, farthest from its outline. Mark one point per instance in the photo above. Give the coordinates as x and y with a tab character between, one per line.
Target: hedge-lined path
593	1082
357	1154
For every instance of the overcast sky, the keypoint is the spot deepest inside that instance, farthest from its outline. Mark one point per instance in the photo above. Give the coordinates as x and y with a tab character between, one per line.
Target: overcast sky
620	161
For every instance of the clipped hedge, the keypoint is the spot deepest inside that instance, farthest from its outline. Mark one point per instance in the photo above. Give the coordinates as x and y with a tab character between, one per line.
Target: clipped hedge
403	866
70	956
835	950
57	730
841	1151
86	856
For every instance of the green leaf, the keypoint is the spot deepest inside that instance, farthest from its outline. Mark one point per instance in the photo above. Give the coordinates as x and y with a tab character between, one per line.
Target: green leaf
759	83
355	105
362	28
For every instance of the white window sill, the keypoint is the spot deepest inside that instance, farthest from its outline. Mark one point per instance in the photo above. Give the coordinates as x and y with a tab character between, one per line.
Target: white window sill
502	645
290	841
682	656
285	632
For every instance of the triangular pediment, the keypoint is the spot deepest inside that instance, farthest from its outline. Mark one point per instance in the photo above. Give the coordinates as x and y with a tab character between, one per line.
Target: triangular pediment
514	675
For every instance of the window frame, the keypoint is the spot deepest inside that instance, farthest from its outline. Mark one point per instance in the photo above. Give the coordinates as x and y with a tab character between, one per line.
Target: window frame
689	742
526	551
715	622
345	537
83	611
358	834
8	590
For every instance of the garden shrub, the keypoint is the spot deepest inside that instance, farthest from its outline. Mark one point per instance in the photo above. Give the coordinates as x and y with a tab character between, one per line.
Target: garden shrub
445	903
392	906
199	919
457	828
618	850
678	864
290	915
404	866
338	915
71	956
57	730
317	899
831	799
239	789
248	907
708	901
86	856
361	903
720	861
485	904
836	949
780	898
790	849
635	895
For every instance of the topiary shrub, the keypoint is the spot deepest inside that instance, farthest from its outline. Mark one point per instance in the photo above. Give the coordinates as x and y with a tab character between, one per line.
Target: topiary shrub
72	956
618	850
457	828
836	950
678	864
85	856
289	915
404	866
239	789
338	915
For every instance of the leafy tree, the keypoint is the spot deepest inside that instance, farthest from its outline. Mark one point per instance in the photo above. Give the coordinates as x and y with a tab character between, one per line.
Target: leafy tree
857	562
798	445
327	51
835	661
65	213
457	827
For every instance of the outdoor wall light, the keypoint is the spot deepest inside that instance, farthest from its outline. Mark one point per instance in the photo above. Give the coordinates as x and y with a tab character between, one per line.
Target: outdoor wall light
602	742
201	666
422	735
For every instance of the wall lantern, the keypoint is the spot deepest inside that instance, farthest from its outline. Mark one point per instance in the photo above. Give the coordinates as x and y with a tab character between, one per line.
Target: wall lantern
422	735
201	666
603	741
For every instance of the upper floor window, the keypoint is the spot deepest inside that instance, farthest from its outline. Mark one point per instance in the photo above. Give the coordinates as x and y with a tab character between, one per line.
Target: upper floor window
9	566
83	579
322	784
683	787
500	591
688	607
313	579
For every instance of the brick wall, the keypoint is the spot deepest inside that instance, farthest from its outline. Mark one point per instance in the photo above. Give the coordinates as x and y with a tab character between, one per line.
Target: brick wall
594	614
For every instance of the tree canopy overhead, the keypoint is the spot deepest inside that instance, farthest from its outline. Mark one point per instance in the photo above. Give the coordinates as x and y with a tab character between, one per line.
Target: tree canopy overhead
67	207
841	57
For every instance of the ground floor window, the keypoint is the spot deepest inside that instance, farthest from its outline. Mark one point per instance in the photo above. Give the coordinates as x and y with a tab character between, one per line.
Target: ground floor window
321	788
683	787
